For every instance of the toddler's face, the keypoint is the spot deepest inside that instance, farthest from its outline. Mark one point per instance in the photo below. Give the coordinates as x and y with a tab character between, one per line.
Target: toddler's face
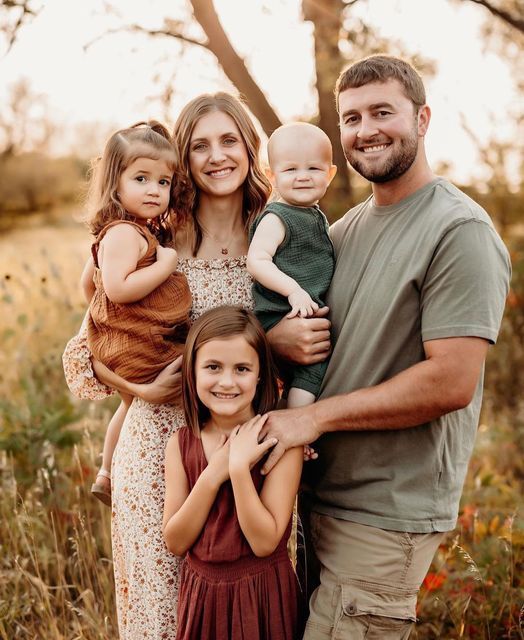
301	168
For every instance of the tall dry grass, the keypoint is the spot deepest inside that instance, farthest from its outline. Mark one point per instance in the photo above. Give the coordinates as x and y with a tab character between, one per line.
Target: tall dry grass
55	557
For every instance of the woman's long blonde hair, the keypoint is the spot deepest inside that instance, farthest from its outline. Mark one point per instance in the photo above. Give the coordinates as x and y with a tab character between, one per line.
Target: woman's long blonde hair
256	186
141	140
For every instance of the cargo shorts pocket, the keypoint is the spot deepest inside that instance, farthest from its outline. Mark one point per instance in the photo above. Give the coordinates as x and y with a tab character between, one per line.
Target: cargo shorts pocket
373	612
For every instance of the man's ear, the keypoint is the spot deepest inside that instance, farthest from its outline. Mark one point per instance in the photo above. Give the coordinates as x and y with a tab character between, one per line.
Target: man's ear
424	117
332	172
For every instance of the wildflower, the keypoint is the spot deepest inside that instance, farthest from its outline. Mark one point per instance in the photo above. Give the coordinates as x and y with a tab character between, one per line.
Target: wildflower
433	581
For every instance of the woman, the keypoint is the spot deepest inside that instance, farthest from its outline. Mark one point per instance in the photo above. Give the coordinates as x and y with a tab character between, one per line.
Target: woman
225	190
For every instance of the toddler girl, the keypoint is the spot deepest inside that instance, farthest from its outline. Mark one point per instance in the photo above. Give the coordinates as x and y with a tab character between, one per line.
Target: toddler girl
231	523
139	304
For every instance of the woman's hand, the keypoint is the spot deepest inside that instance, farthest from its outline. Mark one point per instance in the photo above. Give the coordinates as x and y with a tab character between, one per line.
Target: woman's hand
165	388
245	450
302	340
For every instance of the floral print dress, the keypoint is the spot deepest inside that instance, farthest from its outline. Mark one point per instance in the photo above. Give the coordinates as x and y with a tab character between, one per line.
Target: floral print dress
146	574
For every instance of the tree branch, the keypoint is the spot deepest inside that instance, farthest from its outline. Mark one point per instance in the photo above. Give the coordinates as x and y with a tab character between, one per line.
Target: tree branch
12	31
135	28
506	16
233	65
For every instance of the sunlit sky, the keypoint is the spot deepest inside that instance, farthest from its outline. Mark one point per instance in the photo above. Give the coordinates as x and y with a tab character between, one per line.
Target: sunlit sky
118	79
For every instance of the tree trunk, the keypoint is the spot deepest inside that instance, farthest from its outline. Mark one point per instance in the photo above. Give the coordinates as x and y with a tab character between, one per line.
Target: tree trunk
326	17
233	65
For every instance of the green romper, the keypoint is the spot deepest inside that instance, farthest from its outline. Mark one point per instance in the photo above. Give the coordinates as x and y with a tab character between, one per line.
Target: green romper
306	255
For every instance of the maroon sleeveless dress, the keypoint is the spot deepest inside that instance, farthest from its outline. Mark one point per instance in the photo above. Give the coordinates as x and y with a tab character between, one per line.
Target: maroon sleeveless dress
226	592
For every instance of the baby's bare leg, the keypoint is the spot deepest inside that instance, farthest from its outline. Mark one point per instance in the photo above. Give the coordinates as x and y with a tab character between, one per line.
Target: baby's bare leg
301	398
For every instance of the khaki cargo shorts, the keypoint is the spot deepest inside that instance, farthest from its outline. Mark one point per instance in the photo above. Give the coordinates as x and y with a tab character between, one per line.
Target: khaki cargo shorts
369	580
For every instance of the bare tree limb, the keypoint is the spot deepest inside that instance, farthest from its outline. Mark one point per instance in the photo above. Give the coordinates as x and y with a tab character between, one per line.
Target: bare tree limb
506	16
326	17
26	12
233	65
135	28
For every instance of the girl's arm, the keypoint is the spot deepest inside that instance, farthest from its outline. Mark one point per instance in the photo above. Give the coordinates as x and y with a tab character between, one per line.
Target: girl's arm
121	249
186	512
268	236
86	279
263	518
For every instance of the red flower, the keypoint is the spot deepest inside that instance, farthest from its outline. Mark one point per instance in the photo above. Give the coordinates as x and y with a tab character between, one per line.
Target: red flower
433	581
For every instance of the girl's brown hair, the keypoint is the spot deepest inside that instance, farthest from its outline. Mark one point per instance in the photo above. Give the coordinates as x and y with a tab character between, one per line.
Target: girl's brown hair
256	186
141	140
219	324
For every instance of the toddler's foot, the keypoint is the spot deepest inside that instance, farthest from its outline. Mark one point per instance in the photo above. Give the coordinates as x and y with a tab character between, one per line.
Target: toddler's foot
101	489
309	453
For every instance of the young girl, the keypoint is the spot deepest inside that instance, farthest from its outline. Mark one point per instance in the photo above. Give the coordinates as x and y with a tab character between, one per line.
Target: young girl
139	304
230	522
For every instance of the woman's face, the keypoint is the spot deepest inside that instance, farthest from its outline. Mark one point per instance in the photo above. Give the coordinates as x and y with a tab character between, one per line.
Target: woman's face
218	158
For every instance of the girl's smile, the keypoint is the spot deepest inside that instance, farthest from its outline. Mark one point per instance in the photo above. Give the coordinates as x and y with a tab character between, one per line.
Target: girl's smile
227	372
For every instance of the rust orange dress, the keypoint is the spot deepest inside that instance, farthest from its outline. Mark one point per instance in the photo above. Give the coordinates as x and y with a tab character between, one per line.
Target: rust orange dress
138	339
226	592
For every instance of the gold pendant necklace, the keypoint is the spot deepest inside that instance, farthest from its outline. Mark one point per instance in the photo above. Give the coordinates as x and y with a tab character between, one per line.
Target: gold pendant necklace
223	250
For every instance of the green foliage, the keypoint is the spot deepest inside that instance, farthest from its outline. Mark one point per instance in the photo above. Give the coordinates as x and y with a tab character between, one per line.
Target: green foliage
34	428
55	566
32	182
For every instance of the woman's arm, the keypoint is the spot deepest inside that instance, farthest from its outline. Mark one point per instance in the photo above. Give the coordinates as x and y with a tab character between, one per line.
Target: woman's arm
119	253
263	518
165	388
86	280
186	512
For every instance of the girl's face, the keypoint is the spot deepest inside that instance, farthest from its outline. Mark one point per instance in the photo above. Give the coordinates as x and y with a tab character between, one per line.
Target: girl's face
218	158
144	188
226	372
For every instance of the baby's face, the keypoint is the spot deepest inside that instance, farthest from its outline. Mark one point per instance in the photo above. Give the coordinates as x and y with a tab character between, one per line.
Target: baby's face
301	168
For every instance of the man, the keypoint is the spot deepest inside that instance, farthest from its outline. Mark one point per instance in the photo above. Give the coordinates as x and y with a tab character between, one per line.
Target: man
417	295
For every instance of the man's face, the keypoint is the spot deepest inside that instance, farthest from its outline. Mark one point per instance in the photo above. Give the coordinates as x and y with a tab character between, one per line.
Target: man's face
379	130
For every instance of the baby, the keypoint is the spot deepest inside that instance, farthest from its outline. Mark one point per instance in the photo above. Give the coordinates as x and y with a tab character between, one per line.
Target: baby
290	255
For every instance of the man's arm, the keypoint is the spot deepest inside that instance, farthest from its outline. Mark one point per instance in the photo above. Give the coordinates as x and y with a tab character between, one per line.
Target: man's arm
445	381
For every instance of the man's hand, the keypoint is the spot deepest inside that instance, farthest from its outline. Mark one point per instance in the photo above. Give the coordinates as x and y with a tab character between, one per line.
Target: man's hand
292	428
302	340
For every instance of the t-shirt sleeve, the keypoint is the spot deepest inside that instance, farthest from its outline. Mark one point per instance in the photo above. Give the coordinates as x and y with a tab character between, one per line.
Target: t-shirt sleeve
465	287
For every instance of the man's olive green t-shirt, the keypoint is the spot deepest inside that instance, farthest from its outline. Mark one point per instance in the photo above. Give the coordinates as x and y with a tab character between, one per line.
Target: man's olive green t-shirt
429	267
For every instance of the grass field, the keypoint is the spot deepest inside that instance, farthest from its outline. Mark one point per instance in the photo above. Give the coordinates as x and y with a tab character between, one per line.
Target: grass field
55	558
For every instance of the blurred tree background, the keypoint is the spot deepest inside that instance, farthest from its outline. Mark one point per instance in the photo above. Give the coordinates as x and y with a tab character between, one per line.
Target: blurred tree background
55	567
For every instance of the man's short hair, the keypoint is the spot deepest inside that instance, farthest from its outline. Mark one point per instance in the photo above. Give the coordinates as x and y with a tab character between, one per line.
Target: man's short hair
381	68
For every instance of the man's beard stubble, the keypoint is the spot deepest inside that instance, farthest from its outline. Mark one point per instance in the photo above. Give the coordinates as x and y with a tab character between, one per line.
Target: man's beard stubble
394	167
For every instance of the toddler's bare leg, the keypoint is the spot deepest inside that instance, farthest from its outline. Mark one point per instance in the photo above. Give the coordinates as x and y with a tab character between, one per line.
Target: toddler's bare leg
301	398
102	487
